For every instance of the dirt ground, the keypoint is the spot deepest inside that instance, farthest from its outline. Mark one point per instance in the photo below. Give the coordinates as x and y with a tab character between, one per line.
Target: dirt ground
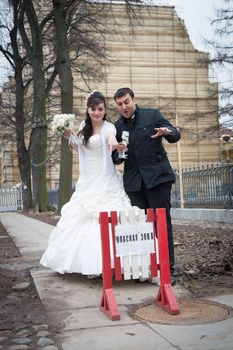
204	265
20	305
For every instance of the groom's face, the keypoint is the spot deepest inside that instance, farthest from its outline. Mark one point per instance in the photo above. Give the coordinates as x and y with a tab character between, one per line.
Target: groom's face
126	106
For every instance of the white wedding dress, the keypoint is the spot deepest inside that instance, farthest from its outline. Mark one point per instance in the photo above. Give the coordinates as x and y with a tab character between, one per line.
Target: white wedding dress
75	243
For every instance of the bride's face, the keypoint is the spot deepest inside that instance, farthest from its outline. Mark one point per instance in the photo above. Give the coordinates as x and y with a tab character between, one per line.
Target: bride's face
97	113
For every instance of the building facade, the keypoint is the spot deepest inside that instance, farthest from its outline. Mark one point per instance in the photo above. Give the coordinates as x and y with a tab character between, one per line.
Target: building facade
156	58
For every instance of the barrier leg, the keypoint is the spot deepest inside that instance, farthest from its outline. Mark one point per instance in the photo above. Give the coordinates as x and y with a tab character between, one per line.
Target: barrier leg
108	303
166	298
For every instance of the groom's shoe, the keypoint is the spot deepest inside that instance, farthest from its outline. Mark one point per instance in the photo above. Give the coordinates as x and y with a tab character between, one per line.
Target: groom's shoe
93	277
173	280
172	277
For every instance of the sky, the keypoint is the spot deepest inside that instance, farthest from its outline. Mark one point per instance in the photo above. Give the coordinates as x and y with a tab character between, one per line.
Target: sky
197	15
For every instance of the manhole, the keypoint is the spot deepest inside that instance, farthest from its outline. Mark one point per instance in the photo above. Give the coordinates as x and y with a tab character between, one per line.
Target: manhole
191	312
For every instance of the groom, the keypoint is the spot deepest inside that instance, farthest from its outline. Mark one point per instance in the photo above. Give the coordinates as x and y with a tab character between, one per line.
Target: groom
148	176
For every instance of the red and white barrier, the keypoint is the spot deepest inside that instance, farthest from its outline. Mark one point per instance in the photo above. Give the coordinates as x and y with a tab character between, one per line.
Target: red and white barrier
142	252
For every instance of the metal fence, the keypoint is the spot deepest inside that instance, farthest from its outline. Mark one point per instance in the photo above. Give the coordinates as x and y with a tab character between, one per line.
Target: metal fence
10	199
209	186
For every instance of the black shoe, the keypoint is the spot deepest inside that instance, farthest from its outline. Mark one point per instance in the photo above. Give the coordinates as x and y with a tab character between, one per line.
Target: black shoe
173	280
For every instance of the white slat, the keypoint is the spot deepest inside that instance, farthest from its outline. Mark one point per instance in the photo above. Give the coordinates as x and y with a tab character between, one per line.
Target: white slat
133	218
134	266
145	265
145	258
125	261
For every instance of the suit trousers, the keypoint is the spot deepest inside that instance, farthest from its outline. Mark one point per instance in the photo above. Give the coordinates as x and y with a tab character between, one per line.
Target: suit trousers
157	197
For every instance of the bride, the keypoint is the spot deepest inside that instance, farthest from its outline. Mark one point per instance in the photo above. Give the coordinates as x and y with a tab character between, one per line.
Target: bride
75	243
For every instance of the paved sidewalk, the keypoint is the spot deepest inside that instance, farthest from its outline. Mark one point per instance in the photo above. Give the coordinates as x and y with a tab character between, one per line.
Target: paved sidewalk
71	303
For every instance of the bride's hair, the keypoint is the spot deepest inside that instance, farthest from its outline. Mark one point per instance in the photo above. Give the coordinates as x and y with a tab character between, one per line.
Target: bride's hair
93	100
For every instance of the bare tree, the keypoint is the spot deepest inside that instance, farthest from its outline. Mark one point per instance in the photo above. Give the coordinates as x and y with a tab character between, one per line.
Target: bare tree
17	61
66	86
222	46
34	48
24	122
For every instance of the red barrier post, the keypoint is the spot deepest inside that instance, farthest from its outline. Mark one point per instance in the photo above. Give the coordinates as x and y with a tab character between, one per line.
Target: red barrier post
153	256
117	260
165	298
108	303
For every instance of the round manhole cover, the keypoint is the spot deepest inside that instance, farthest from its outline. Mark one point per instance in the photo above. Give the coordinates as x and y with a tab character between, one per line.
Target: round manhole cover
191	312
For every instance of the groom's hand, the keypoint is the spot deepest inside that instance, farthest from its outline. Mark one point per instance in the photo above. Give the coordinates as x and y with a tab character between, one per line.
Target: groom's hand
161	132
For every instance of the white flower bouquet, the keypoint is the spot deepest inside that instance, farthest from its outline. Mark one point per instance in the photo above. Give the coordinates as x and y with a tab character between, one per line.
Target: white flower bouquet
62	122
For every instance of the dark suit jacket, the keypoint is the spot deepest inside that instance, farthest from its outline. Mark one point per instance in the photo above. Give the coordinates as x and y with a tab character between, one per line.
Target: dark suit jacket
147	158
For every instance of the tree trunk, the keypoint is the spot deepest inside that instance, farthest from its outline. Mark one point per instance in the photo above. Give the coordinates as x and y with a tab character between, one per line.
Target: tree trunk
24	161
22	151
38	145
66	84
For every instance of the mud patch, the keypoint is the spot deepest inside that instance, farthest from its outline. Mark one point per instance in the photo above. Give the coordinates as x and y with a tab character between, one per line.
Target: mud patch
191	312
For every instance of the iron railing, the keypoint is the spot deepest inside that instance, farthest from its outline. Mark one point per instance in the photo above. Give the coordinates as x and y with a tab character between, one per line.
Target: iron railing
209	186
10	199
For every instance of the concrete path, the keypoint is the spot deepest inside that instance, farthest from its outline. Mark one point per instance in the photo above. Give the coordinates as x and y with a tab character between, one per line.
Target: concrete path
71	303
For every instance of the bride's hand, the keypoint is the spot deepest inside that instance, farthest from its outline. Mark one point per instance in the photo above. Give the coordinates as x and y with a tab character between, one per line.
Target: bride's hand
112	147
121	147
112	143
67	133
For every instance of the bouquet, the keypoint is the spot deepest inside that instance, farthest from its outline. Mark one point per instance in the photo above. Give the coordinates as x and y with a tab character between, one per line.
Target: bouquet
62	122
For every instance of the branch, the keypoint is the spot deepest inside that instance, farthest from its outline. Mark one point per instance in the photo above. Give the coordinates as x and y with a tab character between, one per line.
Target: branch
23	33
